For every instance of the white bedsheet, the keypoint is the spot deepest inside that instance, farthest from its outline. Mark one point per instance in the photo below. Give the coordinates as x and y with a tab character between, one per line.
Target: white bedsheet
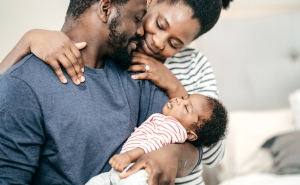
264	179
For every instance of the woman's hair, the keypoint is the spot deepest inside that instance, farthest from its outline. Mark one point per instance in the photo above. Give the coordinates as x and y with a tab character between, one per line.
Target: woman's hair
77	7
213	129
206	11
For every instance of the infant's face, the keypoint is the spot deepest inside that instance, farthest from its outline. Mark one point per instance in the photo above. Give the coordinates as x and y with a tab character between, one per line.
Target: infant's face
187	110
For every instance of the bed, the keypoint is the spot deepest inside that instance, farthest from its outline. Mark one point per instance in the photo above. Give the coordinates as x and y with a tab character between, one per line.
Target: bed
263	178
263	148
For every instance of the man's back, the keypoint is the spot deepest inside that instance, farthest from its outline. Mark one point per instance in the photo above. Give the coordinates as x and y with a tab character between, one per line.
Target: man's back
65	134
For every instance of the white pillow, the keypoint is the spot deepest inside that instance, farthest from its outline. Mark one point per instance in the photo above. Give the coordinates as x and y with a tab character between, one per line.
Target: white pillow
294	99
248	130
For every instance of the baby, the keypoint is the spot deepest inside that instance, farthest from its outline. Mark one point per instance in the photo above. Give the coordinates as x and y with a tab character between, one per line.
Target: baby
199	119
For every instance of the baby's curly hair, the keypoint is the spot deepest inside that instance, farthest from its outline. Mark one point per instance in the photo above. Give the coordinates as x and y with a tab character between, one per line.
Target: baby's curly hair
213	129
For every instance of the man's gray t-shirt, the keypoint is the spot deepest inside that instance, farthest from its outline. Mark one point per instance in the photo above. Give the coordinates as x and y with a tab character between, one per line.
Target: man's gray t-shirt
54	133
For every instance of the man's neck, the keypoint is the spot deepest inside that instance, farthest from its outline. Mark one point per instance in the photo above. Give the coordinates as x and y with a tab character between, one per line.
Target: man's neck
93	54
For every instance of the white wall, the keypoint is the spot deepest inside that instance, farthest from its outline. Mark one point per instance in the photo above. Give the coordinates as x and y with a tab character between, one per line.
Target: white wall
19	16
255	53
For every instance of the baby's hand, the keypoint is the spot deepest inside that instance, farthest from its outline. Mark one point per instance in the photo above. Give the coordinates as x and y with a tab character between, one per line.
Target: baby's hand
119	161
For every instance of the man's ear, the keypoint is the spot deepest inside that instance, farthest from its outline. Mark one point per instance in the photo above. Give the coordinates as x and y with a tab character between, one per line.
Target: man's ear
104	9
191	135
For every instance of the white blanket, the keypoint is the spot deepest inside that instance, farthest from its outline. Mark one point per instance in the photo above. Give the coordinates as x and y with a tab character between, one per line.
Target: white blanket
264	179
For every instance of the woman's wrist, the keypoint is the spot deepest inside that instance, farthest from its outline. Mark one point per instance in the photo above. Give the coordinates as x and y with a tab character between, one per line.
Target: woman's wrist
26	40
176	90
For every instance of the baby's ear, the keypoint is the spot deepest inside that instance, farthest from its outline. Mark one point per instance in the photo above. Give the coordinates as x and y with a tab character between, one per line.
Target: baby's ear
191	135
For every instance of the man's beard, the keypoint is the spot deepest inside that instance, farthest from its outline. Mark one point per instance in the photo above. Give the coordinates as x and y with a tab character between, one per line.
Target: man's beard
116	40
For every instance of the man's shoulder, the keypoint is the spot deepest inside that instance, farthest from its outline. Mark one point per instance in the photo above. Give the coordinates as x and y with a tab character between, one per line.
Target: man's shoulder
30	68
30	63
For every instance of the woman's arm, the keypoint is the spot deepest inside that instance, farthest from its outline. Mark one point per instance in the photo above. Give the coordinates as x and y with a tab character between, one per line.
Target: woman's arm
54	48
160	75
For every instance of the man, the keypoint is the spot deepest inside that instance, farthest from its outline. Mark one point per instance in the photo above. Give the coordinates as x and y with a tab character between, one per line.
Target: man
45	138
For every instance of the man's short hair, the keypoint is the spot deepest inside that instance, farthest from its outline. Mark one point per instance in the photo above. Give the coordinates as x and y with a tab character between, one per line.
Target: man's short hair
77	7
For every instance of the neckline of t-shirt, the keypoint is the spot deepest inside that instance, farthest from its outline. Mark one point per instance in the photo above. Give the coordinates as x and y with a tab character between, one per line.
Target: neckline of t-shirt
96	71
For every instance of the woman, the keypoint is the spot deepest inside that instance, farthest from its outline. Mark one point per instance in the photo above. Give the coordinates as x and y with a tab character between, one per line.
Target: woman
189	66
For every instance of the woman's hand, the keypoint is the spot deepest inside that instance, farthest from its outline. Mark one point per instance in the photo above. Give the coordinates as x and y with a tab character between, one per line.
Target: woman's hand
159	74
55	48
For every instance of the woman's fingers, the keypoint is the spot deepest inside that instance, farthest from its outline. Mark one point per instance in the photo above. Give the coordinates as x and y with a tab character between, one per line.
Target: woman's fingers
139	55
69	68
57	70
141	76
80	45
77	54
78	69
139	60
137	68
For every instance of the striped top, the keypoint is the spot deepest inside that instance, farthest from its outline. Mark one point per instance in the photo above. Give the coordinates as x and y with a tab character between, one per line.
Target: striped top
157	131
195	73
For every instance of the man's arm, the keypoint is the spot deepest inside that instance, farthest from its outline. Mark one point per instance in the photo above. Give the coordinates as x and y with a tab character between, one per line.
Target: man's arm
21	132
167	163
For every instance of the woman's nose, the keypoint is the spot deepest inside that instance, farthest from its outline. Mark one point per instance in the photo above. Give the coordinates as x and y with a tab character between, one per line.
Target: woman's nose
158	41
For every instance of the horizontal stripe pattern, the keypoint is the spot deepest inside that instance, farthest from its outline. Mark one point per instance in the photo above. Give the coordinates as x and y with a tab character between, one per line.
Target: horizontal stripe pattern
194	71
157	131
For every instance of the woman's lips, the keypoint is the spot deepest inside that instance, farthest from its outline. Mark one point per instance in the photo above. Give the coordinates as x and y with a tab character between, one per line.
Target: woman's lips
146	48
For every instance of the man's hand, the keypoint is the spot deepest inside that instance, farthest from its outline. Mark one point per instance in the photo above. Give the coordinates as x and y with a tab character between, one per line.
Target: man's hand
119	161
167	163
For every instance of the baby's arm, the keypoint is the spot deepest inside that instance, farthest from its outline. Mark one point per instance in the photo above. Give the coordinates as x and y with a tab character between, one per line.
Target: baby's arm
120	161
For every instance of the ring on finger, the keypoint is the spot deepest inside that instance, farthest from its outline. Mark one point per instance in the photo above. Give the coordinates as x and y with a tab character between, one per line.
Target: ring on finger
147	68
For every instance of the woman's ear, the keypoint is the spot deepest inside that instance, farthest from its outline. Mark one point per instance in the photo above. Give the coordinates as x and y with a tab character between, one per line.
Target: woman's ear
104	9
191	135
